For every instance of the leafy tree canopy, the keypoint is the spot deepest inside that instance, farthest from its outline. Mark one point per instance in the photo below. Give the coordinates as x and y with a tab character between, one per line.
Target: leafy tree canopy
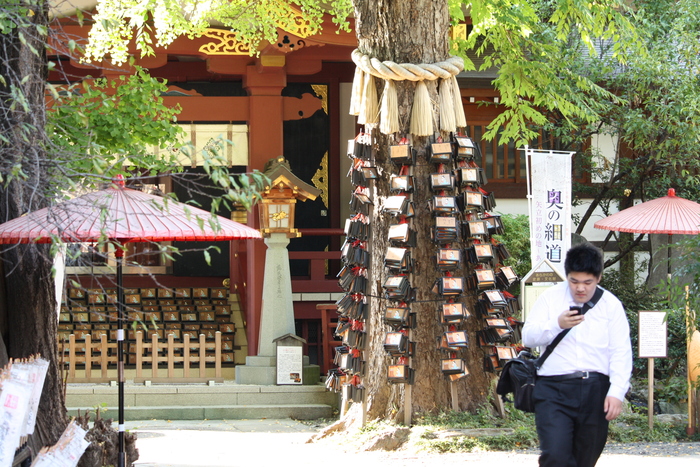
656	119
119	121
160	22
527	40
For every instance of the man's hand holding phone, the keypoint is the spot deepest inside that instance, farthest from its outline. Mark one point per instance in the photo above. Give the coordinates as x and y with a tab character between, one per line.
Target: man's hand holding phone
571	317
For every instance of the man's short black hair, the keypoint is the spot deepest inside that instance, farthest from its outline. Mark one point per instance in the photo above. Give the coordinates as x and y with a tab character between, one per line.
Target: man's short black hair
584	257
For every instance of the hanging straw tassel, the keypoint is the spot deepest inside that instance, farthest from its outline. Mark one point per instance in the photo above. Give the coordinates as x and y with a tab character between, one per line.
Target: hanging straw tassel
460	118
358	84
421	113
447	111
369	107
389	114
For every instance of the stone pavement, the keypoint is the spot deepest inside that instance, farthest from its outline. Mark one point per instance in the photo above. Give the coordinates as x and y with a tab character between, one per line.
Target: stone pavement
282	443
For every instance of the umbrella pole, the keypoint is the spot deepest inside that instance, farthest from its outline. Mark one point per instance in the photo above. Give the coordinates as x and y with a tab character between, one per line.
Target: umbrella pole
119	254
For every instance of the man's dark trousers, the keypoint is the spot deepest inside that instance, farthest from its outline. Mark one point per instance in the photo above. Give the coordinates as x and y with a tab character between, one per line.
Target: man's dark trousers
570	420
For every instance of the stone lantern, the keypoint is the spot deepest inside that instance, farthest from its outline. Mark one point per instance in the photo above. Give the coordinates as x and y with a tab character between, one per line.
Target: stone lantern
277	226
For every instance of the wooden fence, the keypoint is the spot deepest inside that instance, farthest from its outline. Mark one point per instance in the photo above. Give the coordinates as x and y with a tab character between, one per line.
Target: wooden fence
153	354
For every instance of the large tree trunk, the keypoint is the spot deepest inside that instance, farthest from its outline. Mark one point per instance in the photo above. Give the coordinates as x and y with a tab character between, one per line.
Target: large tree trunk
28	299
411	31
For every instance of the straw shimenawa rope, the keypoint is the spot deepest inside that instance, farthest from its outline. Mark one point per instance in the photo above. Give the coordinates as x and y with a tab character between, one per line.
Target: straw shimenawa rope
363	101
408	71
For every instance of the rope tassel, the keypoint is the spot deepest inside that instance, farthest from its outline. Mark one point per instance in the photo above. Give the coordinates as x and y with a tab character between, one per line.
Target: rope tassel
369	107
364	94
389	114
460	118
421	113
447	110
358	84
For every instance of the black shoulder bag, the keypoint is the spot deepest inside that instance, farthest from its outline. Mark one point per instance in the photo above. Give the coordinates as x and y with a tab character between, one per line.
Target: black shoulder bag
520	374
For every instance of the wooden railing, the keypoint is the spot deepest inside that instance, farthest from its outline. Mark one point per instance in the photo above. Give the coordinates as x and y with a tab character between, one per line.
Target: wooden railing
329	321
319	279
151	354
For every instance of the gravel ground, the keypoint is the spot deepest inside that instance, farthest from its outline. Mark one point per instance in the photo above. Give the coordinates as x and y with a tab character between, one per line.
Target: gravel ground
654	449
274	443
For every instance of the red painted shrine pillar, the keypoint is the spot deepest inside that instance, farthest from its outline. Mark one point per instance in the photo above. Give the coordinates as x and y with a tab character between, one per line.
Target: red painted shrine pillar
265	141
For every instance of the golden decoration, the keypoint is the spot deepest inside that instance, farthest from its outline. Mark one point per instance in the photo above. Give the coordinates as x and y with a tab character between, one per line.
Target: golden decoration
295	23
321	90
226	282
278	216
225	43
320	179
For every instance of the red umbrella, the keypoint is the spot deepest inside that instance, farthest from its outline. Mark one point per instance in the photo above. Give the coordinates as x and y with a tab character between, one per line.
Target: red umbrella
666	215
120	215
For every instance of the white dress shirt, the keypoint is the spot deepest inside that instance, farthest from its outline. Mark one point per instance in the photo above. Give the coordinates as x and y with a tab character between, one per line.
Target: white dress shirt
600	343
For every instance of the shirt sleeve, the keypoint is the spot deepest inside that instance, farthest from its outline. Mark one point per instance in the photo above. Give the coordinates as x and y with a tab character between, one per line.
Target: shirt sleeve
620	352
542	324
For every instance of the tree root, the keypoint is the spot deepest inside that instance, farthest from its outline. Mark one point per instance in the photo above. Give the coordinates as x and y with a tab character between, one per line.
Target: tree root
104	442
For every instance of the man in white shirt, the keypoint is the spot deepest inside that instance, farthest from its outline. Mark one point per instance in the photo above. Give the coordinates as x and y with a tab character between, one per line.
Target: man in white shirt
582	384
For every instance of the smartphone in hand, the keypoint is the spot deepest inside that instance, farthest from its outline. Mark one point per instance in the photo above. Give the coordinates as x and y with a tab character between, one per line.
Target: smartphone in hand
575	308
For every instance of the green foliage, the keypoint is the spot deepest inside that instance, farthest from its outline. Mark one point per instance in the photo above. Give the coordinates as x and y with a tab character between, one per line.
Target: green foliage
12	18
98	127
522	437
535	46
115	123
153	23
516	238
483	417
640	298
634	428
518	431
672	389
682	289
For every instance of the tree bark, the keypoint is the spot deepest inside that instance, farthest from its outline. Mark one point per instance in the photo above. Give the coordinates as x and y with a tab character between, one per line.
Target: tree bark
411	31
28	299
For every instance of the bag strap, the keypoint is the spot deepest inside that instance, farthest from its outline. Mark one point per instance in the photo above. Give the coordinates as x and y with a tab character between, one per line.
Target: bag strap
587	306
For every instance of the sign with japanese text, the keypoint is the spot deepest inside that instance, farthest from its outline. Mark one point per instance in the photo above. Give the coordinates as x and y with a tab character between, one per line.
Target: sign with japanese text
652	334
550	206
290	364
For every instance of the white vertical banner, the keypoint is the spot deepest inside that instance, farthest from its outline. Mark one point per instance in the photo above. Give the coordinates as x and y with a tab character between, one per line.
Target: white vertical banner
550	206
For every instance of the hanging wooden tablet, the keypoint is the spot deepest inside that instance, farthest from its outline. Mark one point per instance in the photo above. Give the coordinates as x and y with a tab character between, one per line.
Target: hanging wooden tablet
398	259
395	343
454	313
494	225
400	374
446	229
448	259
443	205
506	277
398	205
476	229
457	338
482	279
442	181
402	154
401	183
449	286
398	288
466	149
398	316
452	366
441	153
402	235
470	176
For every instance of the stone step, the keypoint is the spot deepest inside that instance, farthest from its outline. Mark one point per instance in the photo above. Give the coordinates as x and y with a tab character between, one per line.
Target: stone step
202	401
224	412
